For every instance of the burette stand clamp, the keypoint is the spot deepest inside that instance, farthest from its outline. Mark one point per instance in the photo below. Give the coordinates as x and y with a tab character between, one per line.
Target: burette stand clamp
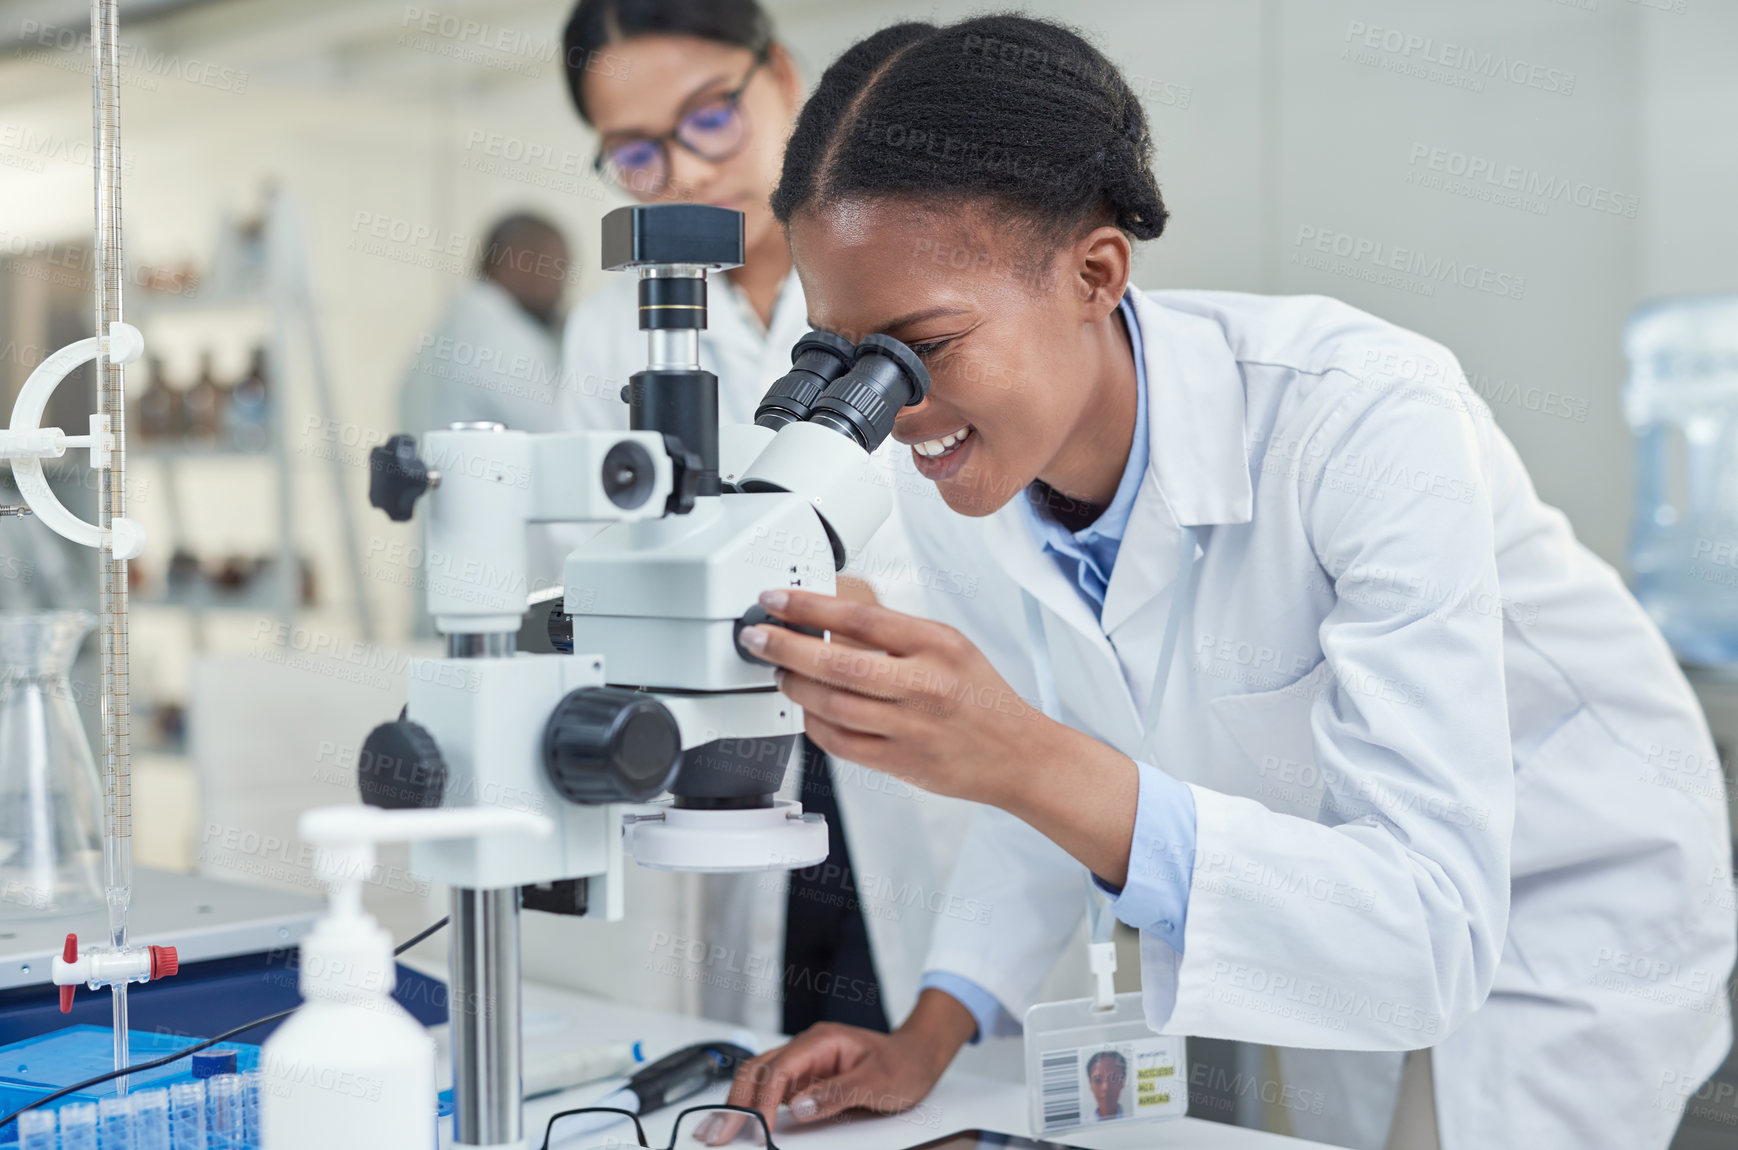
26	443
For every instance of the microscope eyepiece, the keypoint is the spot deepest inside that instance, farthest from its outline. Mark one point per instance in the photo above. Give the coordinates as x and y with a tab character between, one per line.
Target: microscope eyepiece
817	360
862	404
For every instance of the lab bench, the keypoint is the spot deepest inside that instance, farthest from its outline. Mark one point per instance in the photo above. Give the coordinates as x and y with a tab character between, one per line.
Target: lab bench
963	1100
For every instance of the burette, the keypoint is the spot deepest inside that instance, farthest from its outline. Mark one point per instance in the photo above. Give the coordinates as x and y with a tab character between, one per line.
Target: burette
115	962
112	503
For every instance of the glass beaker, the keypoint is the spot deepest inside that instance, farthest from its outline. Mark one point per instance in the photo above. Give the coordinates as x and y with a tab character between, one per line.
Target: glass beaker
51	801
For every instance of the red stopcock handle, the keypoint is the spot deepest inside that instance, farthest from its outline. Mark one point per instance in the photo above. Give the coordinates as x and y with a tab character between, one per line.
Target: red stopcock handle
159	962
68	953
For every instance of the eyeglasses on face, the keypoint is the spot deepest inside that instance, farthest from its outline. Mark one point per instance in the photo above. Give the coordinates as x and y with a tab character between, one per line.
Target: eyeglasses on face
714	129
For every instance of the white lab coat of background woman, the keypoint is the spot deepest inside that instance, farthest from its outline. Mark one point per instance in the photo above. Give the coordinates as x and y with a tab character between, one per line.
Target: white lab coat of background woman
714	944
1434	747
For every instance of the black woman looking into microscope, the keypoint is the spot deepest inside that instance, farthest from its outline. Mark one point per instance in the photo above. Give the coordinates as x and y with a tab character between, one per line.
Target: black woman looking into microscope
1238	628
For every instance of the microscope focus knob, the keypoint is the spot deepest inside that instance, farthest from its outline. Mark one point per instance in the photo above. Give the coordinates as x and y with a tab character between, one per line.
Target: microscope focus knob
401	767
397	478
757	616
608	745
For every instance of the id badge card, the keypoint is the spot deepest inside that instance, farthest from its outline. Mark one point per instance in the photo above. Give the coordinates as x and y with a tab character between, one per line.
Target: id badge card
1086	1066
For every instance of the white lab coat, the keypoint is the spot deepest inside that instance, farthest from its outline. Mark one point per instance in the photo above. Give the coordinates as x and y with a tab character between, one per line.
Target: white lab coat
715	944
489	360
1451	789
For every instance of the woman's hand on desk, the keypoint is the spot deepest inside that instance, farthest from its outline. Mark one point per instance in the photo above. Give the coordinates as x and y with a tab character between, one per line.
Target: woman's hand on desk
828	1069
918	700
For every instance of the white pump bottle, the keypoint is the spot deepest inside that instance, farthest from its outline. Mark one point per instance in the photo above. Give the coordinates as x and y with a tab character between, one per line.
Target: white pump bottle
351	1069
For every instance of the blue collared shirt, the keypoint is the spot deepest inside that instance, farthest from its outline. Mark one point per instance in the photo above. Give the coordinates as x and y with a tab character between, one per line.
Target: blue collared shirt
1155	898
1088	556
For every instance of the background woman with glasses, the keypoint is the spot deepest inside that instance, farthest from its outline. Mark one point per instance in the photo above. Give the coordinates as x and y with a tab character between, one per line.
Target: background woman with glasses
692	101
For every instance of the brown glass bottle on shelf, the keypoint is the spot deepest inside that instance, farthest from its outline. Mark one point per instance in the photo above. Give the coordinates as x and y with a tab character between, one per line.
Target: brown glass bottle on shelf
159	406
203	404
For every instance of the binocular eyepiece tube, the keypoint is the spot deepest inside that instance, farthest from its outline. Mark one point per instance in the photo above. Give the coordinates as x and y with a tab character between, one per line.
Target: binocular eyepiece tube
817	360
855	391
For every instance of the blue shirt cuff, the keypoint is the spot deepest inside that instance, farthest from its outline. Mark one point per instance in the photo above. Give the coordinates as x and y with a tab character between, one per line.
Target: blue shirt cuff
1161	861
992	1020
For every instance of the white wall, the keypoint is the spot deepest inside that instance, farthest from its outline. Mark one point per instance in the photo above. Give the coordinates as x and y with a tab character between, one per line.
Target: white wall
1265	129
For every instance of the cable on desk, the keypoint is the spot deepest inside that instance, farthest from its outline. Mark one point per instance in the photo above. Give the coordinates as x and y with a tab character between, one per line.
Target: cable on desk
196	1047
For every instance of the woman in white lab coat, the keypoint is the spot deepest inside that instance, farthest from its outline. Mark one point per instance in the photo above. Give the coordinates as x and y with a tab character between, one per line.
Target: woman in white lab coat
692	101
1422	775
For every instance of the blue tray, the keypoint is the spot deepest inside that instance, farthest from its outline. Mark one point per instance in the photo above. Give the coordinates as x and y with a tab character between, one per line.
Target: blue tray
42	1065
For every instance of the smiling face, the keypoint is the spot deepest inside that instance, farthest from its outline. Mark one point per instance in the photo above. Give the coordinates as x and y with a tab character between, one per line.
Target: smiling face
1017	350
657	80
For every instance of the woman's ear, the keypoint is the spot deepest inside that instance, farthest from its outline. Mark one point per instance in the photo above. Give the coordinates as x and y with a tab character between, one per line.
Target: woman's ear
784	73
1102	261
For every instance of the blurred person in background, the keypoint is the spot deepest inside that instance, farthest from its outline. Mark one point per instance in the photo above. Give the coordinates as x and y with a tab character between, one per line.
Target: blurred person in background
495	355
692	101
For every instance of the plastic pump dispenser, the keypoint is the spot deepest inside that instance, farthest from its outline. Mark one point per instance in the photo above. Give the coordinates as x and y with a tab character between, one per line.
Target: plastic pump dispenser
351	1069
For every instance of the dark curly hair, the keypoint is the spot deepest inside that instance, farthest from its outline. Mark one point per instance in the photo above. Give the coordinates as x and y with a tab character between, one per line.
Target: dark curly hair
1020	112
596	24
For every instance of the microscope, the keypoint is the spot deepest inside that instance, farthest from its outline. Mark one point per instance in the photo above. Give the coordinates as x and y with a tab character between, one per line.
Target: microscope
649	691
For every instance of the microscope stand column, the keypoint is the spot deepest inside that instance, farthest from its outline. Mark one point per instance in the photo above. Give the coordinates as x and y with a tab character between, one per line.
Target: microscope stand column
484	1011
483	1002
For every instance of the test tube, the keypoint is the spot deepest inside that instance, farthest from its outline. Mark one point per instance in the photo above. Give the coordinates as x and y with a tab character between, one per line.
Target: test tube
187	1115
223	1112
150	1120
36	1130
78	1126
114	1124
250	1088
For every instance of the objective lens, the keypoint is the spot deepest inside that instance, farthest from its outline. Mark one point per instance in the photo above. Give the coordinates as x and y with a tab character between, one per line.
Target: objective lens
817	360
863	403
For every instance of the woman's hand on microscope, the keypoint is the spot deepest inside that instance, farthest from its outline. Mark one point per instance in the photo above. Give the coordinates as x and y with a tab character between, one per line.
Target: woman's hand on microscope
916	699
829	1069
908	696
